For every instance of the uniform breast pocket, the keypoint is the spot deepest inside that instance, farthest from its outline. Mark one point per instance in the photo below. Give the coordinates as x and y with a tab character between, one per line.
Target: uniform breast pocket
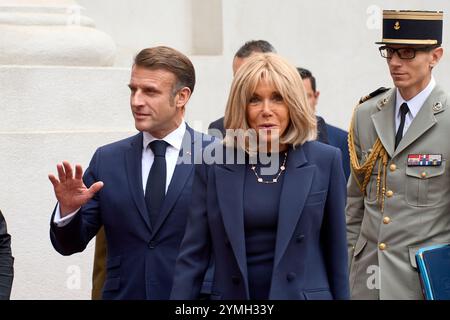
424	185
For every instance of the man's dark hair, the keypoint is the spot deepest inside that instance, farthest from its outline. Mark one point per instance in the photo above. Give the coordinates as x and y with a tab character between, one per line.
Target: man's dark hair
306	74
254	46
171	60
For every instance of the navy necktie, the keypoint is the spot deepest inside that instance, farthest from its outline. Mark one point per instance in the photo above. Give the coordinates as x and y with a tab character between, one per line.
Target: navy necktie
155	189
403	111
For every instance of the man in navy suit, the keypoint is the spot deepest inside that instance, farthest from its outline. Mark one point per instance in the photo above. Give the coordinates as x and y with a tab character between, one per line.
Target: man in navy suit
137	188
336	137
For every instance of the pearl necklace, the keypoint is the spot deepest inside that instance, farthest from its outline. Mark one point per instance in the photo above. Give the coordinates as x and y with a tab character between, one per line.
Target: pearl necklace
274	180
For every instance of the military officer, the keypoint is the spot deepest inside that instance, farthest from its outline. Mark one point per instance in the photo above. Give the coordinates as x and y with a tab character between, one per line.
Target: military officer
399	144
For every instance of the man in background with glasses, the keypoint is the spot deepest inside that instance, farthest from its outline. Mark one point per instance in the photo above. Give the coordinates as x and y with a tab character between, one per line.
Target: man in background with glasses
398	195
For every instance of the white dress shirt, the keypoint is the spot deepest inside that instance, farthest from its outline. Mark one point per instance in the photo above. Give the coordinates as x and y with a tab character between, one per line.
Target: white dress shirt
414	105
174	139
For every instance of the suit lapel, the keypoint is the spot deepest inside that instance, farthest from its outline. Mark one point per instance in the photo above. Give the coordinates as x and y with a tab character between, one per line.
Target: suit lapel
384	122
424	120
182	172
133	160
230	190
296	186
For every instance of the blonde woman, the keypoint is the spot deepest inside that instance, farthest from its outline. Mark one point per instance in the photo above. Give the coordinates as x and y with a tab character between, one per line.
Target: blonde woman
274	222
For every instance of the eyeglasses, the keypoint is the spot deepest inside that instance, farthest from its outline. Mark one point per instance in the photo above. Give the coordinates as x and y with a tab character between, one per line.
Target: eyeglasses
403	53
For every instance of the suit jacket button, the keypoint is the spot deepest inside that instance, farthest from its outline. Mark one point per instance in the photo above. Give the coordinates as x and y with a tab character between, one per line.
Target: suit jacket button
300	238
236	279
152	244
291	276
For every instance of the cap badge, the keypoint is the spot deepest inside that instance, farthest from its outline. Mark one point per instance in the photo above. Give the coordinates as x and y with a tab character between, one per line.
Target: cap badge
397	25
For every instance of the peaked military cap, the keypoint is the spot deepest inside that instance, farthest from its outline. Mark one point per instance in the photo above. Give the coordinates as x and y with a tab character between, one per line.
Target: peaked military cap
412	27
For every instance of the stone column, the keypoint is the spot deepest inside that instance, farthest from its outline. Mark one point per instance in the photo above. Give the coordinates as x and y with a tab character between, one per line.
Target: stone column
51	32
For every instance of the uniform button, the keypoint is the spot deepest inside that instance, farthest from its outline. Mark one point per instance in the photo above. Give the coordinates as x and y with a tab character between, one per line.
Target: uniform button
382	246
236	279
291	276
152	244
423	175
392	167
300	238
386	220
389	193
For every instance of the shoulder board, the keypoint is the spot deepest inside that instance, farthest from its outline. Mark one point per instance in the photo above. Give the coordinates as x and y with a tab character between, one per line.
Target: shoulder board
373	94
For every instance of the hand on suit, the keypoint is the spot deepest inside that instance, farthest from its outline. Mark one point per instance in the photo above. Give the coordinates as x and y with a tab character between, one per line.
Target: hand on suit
70	190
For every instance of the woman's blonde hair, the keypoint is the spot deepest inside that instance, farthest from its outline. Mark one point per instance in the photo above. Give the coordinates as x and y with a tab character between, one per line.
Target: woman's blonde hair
277	71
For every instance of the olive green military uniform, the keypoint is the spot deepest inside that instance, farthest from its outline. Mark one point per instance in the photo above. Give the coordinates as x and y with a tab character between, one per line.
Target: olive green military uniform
416	209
